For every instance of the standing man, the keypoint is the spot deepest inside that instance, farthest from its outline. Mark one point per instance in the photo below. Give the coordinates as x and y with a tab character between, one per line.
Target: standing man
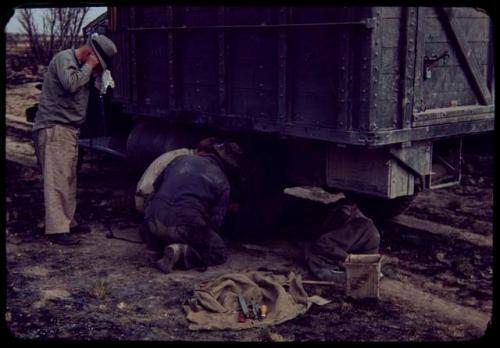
185	215
61	111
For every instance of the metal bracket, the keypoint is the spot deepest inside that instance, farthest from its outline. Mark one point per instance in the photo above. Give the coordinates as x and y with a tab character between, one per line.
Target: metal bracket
429	61
369	22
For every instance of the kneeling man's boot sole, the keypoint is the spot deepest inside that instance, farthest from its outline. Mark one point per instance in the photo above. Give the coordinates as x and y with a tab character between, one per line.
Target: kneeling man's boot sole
171	255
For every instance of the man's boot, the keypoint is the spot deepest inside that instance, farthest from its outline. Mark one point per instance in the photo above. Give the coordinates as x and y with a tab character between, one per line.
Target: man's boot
64	238
172	254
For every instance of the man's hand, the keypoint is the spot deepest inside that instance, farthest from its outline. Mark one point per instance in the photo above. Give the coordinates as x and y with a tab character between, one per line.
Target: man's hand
92	60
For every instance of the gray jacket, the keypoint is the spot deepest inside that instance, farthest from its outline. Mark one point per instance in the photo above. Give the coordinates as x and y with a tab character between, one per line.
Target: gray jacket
65	92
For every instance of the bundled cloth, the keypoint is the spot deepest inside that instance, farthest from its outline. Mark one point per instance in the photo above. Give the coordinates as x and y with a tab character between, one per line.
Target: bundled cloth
215	303
103	81
346	230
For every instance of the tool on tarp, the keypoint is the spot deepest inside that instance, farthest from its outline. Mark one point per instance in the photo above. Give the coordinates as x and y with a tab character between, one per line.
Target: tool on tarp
241	317
244	309
255	310
250	310
263	311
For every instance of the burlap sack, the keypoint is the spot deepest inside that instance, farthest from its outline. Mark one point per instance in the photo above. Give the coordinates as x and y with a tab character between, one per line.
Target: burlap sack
215	303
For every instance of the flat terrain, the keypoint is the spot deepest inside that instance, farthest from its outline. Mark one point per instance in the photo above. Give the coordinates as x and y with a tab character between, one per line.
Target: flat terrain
433	289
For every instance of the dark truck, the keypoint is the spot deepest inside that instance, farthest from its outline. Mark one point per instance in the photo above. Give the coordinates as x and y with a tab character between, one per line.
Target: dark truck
366	100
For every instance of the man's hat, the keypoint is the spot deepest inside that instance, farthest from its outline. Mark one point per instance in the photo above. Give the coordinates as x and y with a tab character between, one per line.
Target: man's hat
230	152
104	49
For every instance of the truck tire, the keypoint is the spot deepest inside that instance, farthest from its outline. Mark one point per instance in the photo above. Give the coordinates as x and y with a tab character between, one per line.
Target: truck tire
150	138
380	209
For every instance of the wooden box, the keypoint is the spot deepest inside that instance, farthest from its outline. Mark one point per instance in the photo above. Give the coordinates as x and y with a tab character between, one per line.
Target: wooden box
362	272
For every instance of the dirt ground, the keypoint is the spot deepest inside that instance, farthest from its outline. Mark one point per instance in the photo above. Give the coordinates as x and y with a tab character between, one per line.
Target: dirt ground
433	289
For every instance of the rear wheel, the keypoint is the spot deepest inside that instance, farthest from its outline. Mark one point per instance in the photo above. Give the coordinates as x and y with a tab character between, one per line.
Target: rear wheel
381	209
151	138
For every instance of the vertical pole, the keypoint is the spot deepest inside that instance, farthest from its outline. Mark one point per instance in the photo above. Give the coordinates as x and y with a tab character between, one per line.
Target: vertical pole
491	63
222	62
133	55
282	66
376	63
368	81
171	59
408	46
418	102
344	73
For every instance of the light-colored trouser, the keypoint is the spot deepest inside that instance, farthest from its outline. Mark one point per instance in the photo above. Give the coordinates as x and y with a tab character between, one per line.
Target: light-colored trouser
56	148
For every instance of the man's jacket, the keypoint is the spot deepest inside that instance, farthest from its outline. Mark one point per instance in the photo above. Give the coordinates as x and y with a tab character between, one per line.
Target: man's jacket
192	190
65	92
145	188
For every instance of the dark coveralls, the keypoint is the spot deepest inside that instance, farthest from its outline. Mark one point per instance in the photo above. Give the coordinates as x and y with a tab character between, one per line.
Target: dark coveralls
190	200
